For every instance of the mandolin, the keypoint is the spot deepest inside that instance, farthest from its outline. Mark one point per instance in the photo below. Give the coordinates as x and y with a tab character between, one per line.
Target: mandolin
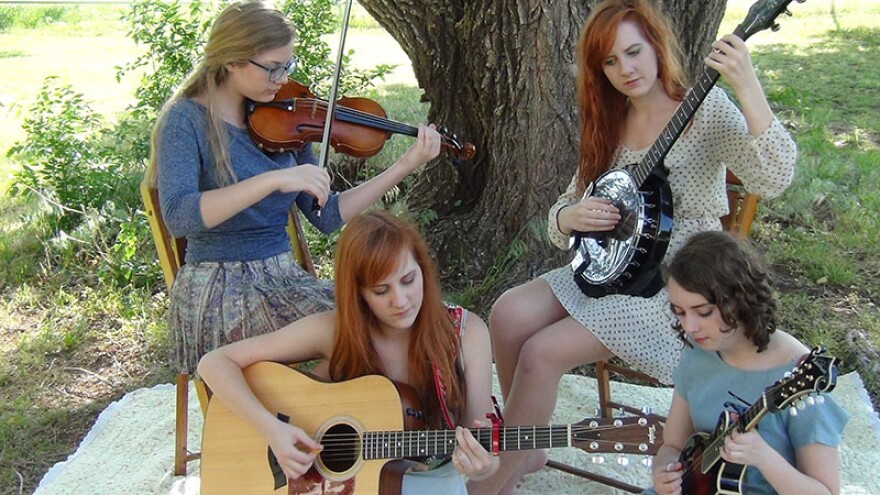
705	472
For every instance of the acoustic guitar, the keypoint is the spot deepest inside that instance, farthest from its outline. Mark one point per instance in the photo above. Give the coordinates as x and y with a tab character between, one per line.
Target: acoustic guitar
363	424
705	472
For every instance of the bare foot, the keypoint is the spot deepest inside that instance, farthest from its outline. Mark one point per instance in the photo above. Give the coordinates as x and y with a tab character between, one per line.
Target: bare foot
534	461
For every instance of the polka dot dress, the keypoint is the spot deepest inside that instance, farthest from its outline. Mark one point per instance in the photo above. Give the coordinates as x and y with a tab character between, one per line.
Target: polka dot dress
639	330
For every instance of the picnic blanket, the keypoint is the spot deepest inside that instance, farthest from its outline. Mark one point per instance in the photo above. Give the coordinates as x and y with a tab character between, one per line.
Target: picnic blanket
130	448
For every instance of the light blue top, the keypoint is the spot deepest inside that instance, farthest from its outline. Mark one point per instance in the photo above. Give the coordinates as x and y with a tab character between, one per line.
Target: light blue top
703	379
186	169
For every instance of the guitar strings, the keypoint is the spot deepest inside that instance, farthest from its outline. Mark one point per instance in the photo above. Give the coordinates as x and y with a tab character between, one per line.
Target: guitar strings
344	446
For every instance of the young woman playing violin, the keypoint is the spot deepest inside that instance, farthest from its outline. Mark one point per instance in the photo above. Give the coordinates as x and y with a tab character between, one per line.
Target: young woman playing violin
230	199
389	320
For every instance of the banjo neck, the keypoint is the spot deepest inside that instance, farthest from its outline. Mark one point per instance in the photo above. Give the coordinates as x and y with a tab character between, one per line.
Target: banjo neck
673	130
683	115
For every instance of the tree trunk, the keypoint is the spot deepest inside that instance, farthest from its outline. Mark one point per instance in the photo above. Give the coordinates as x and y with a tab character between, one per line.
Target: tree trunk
501	74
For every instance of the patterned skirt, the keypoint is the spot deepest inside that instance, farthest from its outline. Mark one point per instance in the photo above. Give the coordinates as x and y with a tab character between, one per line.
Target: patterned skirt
216	303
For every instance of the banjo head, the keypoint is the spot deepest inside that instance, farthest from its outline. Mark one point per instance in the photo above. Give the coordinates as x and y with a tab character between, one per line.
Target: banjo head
608	254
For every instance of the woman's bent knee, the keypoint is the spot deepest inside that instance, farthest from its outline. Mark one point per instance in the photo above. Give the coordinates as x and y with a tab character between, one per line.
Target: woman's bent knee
525	309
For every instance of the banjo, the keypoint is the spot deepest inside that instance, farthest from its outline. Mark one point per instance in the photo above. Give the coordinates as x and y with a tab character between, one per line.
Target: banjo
626	260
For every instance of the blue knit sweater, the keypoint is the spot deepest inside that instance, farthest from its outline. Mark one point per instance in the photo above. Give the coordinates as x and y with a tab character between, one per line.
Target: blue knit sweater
186	169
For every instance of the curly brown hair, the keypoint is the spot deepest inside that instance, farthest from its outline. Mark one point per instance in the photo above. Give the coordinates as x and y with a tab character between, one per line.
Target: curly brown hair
729	273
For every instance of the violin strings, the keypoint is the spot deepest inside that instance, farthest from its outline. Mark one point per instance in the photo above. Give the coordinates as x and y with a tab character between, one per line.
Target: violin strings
371	119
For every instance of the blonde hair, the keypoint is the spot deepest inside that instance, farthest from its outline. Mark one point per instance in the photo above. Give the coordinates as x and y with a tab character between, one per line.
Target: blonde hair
241	31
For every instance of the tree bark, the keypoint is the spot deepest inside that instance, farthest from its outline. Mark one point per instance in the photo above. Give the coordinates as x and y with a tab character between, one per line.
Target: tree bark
501	74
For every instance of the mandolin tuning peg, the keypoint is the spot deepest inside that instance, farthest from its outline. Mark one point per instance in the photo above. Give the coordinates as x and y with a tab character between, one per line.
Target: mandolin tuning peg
443	130
820	399
646	410
623	460
648	462
810	401
787	12
792	411
801	405
774	27
598	459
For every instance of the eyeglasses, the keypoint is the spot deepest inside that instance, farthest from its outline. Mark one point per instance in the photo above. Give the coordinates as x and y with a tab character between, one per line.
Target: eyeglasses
278	72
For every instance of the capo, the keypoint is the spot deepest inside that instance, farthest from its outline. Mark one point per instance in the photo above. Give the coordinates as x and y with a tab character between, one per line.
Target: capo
497	420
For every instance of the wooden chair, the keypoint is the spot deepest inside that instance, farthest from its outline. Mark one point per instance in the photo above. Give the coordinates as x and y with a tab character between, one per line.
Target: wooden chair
743	207
172	252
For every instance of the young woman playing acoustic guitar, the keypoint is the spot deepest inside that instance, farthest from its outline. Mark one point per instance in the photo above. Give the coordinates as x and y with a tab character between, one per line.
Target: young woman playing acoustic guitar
720	293
389	320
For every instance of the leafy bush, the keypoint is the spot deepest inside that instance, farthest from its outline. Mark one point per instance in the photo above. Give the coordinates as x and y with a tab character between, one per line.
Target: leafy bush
62	160
174	35
7	18
32	17
89	172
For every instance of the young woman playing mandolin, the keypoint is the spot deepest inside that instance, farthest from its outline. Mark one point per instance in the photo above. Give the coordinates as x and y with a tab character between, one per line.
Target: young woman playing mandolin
230	199
721	295
630	84
389	320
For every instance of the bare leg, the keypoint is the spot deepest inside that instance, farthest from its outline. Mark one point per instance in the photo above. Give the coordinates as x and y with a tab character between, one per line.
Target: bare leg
516	316
531	399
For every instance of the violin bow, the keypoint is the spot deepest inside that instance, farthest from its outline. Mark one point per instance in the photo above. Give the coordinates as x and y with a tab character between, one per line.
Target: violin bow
331	101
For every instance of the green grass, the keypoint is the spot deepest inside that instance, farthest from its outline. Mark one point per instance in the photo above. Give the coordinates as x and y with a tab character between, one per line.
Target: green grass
70	344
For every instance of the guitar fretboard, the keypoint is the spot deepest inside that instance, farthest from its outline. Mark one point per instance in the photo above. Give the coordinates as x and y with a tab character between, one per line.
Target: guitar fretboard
424	443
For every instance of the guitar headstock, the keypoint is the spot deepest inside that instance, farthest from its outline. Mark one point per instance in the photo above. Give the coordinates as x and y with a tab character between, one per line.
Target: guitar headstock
816	372
762	15
625	435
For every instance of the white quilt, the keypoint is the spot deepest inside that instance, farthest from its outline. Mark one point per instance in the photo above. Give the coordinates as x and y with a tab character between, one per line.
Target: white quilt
130	449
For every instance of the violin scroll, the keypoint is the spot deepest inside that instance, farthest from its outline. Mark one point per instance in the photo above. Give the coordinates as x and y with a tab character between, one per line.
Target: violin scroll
449	141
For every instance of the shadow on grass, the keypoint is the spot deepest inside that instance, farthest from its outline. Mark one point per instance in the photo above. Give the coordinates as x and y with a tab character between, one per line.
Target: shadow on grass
837	73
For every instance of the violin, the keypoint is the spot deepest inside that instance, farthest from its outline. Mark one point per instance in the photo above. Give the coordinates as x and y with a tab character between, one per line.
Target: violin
360	127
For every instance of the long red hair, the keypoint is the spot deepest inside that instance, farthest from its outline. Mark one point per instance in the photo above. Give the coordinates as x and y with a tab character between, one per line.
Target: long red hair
603	108
368	250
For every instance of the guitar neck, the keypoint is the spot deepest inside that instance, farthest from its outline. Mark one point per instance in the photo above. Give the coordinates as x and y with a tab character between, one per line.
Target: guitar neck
422	443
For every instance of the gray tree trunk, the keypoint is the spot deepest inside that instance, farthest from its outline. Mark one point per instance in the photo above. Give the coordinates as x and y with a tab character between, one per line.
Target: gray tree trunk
501	75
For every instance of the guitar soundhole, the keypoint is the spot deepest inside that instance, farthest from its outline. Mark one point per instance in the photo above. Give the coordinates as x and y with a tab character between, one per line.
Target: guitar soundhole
342	447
